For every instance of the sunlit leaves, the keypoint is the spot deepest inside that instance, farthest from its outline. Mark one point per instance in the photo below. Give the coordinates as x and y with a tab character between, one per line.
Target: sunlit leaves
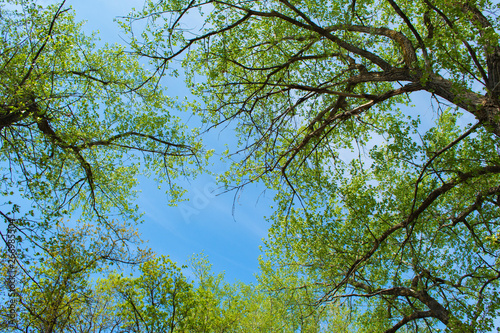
394	210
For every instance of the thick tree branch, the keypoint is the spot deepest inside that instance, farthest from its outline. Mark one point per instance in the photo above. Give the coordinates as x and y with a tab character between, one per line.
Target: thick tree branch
409	55
436	310
334	116
311	26
409	318
491	50
414	31
429	200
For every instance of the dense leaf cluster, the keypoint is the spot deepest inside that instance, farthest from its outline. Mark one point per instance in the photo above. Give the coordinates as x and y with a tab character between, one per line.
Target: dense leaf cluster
377	207
387	219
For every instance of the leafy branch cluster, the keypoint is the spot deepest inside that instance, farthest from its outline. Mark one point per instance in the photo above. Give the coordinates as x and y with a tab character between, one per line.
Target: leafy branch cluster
406	228
390	214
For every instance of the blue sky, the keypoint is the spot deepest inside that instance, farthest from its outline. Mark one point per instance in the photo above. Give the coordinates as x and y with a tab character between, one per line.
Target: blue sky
207	223
227	228
230	237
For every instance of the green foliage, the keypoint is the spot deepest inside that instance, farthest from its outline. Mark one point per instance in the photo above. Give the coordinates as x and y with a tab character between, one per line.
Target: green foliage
385	220
238	307
158	297
54	288
393	214
78	123
159	300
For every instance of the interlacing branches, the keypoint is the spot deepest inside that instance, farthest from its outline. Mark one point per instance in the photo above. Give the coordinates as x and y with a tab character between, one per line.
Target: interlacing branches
77	125
409	222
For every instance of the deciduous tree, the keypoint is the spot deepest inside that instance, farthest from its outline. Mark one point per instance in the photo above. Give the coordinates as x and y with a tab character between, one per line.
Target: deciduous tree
397	213
78	123
76	120
55	292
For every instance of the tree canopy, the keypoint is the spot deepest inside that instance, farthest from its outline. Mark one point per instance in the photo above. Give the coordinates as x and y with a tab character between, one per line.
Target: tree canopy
78	123
380	208
386	218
